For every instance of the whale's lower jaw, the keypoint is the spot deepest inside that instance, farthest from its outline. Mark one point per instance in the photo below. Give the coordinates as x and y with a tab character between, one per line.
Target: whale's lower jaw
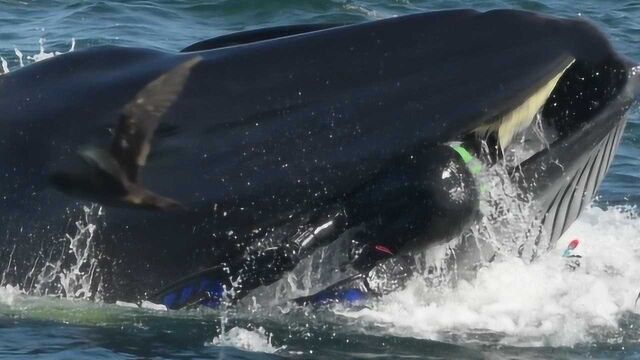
577	189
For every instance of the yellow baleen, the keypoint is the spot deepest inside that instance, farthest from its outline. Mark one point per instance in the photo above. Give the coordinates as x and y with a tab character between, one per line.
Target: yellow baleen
508	125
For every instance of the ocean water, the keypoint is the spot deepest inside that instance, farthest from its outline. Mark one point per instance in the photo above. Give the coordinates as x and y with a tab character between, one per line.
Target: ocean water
511	310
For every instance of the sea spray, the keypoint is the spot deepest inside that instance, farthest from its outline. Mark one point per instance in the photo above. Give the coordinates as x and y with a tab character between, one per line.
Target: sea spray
74	271
42	55
538	304
57	274
78	280
257	340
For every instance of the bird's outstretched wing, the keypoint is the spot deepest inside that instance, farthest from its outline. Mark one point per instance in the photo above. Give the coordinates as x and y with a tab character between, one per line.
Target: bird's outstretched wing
113	174
140	118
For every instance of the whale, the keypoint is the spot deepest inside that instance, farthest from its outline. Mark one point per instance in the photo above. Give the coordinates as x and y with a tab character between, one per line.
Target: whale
250	151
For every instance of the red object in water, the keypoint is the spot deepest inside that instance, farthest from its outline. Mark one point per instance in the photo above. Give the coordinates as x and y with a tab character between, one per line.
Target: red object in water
573	244
384	249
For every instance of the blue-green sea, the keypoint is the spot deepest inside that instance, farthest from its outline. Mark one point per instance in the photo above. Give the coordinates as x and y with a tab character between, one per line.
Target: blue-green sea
511	310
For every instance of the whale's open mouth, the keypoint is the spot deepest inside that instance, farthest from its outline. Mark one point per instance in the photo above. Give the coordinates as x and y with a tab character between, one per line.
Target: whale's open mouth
561	141
562	105
506	126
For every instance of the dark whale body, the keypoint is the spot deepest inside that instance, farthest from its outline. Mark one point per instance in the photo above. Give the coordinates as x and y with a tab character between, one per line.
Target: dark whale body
275	130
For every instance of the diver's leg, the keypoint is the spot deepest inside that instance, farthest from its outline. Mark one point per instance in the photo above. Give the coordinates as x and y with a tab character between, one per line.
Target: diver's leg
426	198
351	290
230	282
363	286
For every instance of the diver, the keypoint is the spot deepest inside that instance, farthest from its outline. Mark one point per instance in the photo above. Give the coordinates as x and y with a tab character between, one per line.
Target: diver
444	202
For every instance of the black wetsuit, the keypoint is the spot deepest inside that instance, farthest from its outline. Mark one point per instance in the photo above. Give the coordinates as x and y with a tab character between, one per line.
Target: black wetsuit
435	180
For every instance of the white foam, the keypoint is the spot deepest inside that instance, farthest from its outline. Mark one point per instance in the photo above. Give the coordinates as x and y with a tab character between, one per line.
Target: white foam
249	340
127	304
536	304
143	305
9	294
152	306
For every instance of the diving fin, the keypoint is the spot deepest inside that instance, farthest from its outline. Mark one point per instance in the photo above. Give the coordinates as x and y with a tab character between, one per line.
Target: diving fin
352	290
202	288
232	280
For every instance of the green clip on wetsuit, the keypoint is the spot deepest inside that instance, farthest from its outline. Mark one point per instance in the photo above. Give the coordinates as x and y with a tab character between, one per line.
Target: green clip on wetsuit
441	177
474	165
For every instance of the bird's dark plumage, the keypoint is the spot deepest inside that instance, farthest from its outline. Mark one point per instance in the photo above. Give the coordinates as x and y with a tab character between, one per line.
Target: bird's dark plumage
120	166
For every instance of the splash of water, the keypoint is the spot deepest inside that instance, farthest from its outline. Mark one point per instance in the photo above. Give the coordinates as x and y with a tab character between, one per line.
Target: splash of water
76	272
257	340
42	55
77	281
75	276
508	227
538	304
69	267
